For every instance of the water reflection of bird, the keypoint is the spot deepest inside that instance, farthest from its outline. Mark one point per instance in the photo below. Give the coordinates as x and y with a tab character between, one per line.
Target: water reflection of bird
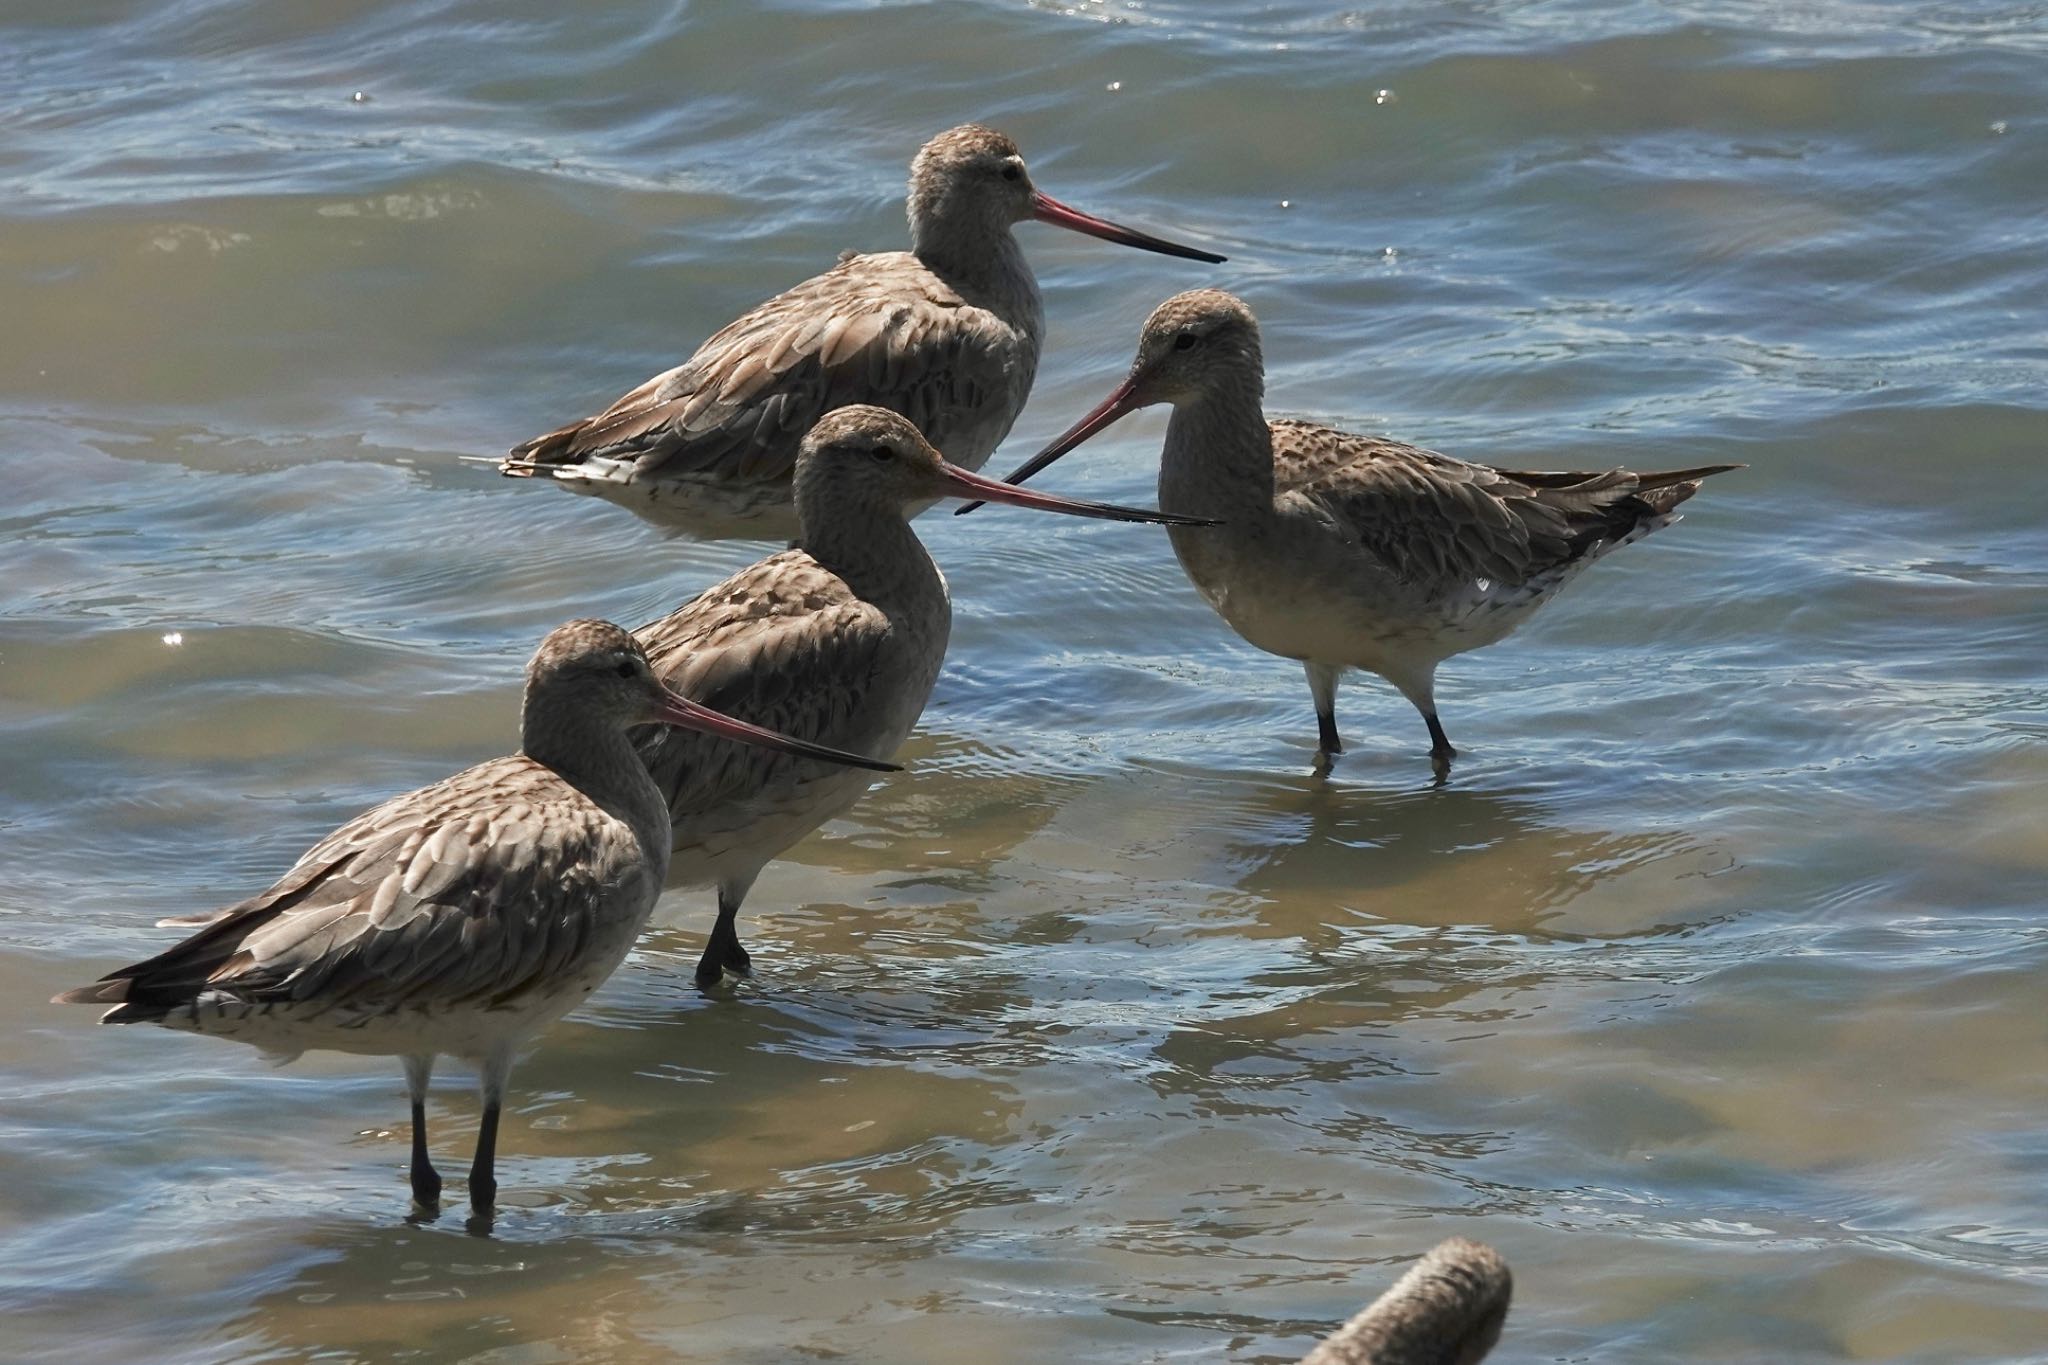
1447	1310
461	918
1464	855
947	333
838	639
1348	551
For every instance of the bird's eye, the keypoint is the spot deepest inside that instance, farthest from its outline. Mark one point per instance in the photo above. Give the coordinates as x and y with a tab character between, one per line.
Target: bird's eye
881	454
627	669
1013	172
1185	341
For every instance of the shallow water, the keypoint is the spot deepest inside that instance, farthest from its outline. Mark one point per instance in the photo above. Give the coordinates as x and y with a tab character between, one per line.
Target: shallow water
1708	990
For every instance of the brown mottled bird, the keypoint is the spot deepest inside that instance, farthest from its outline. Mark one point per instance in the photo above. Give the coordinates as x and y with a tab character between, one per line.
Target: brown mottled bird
461	918
946	333
1447	1310
838	639
1348	551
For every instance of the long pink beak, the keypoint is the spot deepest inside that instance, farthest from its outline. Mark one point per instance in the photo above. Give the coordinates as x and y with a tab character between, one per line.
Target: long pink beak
1047	209
961	484
676	709
1118	404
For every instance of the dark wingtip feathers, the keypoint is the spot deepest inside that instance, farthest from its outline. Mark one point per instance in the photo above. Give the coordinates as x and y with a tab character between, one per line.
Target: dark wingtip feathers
109	990
115	991
1693	475
1662	491
530	459
98	993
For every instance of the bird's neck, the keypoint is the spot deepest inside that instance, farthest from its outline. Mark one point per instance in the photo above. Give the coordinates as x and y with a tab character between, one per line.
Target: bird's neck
1218	459
599	760
872	550
985	266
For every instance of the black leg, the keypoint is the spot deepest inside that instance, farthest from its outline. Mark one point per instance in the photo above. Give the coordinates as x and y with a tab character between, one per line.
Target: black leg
1322	686
483	1171
426	1181
1440	751
711	965
737	959
1326	733
722	951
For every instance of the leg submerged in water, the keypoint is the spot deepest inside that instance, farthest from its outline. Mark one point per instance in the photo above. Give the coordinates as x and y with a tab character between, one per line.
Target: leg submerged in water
483	1169
722	951
1322	685
426	1181
1419	688
1439	743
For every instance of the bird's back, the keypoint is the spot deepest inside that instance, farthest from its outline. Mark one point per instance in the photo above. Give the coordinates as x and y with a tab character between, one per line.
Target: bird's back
491	890
1445	530
718	434
788	644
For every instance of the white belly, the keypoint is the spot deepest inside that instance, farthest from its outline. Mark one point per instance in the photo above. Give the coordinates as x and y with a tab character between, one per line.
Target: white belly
1331	604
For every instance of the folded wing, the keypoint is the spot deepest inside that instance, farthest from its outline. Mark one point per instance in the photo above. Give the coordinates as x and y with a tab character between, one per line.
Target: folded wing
454	894
875	329
784	643
1443	525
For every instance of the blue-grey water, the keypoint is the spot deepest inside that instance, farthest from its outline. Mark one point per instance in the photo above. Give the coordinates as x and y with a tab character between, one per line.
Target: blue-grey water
1709	990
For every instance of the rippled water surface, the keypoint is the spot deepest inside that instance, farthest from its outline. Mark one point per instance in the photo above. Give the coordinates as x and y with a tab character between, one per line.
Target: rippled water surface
1709	989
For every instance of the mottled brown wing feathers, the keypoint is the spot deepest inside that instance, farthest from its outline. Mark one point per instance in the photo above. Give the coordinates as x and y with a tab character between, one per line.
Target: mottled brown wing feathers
1665	489
1435	521
156	985
627	420
784	643
870	330
447	895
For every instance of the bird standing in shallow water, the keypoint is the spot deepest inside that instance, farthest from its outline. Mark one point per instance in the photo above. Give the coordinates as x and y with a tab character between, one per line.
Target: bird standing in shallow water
946	333
461	918
1349	551
838	639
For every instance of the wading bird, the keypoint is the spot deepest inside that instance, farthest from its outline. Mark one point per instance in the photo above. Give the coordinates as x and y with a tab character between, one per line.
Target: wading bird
838	639
461	918
946	333
1348	551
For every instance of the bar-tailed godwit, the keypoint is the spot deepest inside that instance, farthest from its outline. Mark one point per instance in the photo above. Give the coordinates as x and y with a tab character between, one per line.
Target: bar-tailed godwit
946	333
838	639
461	918
1447	1310
1348	551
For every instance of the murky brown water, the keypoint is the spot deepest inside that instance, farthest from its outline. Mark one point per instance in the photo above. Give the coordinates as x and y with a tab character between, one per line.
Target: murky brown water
1709	990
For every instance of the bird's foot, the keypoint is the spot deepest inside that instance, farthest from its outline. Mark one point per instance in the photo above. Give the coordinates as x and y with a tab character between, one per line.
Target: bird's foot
1326	759
714	967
